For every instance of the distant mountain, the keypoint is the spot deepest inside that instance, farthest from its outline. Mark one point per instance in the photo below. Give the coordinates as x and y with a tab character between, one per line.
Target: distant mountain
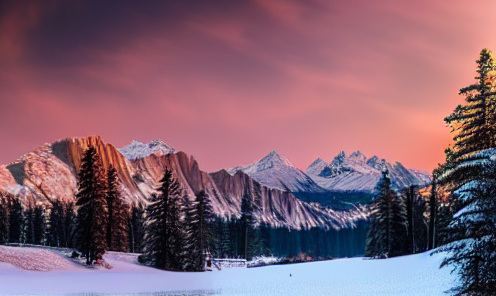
137	150
357	173
276	171
49	173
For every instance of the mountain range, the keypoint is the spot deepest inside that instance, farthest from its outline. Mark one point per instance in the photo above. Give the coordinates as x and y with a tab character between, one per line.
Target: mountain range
49	173
354	173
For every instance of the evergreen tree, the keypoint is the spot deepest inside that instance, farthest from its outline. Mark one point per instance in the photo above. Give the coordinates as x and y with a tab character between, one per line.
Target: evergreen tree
225	242
416	222
136	229
56	221
39	221
29	214
163	240
197	225
474	124
69	224
91	207
17	222
386	234
205	219
433	212
4	218
247	225
472	250
193	254
118	215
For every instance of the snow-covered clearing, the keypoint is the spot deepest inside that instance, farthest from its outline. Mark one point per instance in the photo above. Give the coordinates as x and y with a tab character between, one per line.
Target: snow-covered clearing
409	275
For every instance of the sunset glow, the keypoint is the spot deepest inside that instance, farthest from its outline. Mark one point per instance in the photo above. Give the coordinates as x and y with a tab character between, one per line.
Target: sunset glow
230	81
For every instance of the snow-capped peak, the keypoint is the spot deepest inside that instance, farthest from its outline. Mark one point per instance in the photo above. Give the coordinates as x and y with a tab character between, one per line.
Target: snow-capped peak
358	156
276	171
376	163
273	159
338	159
137	149
316	167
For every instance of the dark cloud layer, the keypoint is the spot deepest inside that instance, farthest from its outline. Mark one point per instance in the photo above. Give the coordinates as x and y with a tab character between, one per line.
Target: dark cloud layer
229	81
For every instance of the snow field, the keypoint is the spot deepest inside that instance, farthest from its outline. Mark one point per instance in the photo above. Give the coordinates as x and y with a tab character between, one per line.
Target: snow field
409	275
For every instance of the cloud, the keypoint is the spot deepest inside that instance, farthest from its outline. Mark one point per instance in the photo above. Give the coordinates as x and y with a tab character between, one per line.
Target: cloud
229	81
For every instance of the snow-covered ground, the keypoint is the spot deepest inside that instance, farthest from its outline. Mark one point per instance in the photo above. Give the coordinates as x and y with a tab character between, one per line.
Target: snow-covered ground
409	275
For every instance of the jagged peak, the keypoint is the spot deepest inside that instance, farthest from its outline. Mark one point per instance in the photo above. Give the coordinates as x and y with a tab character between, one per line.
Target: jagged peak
376	162
136	149
318	161
358	155
275	157
338	160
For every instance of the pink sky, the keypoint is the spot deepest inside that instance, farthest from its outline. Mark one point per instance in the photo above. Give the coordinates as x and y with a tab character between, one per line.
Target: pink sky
230	81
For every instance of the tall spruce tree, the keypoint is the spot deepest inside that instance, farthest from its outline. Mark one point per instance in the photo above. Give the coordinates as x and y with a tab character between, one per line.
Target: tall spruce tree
55	233
198	223
192	256
17	222
39	221
136	229
91	206
205	220
29	214
386	233
247	225
416	222
474	123
472	251
69	224
4	218
433	205
163	234
118	215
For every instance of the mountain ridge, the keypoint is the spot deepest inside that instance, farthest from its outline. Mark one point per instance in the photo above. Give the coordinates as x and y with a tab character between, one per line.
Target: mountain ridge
49	173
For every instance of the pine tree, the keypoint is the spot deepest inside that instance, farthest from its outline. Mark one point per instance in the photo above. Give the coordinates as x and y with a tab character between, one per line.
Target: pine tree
91	207
472	250
163	234
433	205
29	214
474	124
225	244
17	222
205	220
4	218
192	257
409	196
136	229
39	221
69	224
118	215
55	233
386	233
247	225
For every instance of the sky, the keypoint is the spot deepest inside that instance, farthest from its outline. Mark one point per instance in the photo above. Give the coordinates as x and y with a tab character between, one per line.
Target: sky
230	81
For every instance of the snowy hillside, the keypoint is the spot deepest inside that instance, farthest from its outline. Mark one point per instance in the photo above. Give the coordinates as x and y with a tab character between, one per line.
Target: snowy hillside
409	275
357	173
276	171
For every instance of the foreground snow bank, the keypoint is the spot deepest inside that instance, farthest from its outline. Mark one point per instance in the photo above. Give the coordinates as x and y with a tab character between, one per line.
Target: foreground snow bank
38	259
409	275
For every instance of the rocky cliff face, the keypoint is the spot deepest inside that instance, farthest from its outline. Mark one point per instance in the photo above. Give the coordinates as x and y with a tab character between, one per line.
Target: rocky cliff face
49	173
